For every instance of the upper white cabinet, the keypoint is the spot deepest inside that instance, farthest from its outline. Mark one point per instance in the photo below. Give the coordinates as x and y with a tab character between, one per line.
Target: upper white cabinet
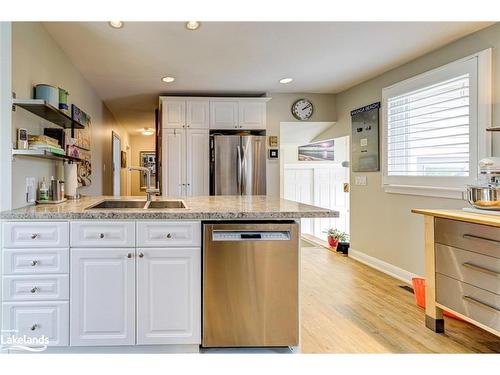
174	113
224	114
181	113
252	114
197	114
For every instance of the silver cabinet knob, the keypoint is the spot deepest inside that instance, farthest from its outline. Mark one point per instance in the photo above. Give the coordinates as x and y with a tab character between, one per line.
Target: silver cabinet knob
141	255
169	235
129	255
34	236
101	235
35	289
34	263
34	326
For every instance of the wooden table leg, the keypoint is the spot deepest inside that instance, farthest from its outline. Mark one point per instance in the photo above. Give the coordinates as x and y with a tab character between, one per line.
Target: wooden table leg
433	314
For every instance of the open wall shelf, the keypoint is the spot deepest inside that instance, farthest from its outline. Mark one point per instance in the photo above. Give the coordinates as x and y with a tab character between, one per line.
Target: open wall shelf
42	154
44	110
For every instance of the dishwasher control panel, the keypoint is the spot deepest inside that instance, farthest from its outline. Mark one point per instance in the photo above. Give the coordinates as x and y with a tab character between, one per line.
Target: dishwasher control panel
228	235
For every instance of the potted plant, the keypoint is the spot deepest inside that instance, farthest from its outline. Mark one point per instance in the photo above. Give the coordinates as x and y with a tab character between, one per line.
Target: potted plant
335	236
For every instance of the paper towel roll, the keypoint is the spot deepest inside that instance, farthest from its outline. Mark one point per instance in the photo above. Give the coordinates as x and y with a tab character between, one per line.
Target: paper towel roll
70	179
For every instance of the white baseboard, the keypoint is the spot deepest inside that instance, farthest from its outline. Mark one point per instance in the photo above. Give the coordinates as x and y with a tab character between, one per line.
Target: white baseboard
380	265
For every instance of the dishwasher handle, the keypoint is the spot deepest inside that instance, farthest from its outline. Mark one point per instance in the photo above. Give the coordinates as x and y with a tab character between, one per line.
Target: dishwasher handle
250	235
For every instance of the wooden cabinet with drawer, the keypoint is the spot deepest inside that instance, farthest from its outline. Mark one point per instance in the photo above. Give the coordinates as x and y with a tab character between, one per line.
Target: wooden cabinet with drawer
462	268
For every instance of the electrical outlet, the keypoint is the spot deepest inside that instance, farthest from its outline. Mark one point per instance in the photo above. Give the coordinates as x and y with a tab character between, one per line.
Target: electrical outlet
30	190
360	180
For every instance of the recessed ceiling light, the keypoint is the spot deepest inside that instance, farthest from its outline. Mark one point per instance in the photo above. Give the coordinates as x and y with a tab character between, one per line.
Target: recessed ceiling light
192	25
286	80
116	24
148	131
168	79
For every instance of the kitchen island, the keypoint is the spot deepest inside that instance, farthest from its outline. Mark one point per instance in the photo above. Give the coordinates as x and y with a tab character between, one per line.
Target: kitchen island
462	267
130	279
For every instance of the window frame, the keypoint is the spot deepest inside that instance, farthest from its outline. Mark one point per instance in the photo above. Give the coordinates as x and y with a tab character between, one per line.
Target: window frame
480	118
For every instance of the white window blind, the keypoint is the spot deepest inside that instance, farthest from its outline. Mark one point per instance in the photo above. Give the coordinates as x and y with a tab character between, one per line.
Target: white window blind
428	130
433	128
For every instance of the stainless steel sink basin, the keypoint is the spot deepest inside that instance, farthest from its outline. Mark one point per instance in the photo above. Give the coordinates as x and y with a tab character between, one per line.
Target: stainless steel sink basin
116	203
166	204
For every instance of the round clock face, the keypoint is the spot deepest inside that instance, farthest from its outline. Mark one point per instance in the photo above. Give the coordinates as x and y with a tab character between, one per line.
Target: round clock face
302	109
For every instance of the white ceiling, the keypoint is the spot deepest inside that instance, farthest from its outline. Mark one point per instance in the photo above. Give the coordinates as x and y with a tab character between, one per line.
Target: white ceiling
125	65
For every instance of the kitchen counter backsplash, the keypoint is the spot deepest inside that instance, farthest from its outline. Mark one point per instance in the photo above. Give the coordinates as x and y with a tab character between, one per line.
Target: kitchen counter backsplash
198	208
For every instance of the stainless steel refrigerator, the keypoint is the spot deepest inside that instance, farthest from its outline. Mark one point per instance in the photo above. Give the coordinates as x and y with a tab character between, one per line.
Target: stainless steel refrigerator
237	164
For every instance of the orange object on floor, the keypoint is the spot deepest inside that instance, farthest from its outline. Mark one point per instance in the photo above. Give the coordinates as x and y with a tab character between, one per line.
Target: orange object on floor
419	290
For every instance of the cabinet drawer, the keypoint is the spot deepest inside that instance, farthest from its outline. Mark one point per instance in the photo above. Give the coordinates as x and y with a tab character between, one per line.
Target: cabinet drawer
478	304
36	288
476	269
35	261
102	234
166	234
478	238
36	319
35	234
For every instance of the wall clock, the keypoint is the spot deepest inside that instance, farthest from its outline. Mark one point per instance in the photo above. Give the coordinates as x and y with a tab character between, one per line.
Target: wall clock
302	109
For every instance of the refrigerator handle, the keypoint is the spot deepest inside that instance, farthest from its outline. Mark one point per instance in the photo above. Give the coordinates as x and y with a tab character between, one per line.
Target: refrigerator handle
238	169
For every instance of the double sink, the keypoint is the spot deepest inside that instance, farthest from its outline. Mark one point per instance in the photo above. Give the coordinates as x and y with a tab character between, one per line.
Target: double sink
151	205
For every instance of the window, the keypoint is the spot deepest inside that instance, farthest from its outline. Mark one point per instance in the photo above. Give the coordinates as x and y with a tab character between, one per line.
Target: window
434	128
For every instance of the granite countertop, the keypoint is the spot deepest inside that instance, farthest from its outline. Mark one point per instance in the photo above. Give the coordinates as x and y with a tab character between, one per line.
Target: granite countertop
460	215
198	208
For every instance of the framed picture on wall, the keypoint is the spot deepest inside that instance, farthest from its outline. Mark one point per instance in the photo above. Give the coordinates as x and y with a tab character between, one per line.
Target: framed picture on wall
123	161
317	151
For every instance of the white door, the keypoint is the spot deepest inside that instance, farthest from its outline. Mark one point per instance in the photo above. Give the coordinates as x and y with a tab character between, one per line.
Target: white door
197	114
174	162
102	297
299	186
169	296
197	162
174	113
224	115
252	115
116	165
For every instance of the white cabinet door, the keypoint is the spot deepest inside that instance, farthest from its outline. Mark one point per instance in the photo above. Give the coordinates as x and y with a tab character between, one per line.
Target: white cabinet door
224	115
197	162
252	115
93	233
174	162
169	296
102	297
174	113
35	234
197	114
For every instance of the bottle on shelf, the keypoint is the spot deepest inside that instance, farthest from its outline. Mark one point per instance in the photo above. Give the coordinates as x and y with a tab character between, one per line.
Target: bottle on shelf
43	191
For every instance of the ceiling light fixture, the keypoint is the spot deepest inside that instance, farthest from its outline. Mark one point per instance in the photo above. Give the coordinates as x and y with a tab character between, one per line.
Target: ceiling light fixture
168	79
286	80
193	25
116	24
148	131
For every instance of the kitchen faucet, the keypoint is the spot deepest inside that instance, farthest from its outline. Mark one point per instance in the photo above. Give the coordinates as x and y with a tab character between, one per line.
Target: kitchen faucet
150	191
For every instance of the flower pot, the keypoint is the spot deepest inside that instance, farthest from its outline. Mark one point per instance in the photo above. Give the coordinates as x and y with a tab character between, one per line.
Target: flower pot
333	242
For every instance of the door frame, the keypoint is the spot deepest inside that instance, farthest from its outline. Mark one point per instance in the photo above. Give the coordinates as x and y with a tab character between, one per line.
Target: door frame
113	136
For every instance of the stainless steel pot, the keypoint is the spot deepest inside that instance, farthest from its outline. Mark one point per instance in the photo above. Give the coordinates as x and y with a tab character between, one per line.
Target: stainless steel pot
484	197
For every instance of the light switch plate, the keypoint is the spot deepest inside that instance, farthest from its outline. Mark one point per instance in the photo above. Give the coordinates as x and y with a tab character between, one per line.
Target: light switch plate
360	180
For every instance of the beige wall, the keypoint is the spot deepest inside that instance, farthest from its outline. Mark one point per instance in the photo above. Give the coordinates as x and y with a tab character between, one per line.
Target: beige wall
279	110
381	223
139	143
36	58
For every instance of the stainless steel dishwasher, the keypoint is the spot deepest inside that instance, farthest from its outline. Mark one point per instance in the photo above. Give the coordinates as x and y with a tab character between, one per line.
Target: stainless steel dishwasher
250	284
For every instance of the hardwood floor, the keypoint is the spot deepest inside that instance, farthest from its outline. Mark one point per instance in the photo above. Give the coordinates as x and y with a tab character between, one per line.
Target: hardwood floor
348	307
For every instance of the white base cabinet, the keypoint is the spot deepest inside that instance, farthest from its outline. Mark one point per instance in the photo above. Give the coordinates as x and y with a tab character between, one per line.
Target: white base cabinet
169	296
102	297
